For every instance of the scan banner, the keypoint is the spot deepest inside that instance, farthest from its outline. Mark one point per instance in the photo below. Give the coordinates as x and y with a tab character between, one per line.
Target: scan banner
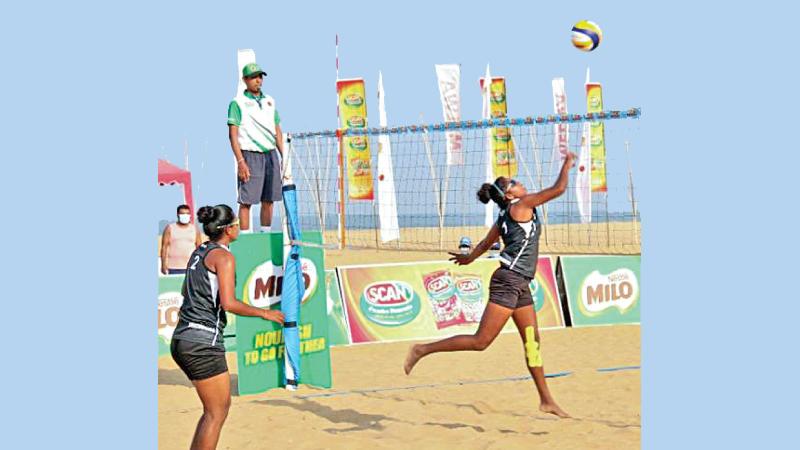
432	299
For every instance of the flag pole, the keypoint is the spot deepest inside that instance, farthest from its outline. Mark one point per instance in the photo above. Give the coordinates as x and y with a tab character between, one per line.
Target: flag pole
340	156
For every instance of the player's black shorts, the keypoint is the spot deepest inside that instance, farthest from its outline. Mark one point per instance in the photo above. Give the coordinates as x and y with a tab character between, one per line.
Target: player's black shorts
510	289
198	361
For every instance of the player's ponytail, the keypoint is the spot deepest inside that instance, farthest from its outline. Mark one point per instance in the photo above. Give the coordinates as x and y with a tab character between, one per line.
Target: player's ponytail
494	191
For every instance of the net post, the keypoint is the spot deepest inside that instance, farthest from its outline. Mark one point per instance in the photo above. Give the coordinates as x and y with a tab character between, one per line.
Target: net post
632	197
340	161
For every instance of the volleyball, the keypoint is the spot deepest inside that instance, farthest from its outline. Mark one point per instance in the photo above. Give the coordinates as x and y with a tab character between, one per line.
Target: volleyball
586	35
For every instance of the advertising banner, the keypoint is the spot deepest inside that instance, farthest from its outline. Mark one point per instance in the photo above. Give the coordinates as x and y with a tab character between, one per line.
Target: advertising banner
504	160
422	300
560	107
169	303
259	343
594	104
602	290
353	110
449	78
337	327
387	197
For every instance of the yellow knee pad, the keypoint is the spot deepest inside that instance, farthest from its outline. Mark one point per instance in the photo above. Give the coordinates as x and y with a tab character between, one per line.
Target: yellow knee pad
532	348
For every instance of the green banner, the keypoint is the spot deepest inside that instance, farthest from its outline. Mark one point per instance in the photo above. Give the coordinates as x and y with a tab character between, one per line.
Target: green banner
337	328
602	290
169	303
259	343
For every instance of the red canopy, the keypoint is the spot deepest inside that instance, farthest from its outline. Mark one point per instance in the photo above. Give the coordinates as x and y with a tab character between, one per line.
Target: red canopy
171	174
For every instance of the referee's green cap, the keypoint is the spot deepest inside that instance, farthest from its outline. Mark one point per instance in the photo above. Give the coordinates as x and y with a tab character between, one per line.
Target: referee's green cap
252	70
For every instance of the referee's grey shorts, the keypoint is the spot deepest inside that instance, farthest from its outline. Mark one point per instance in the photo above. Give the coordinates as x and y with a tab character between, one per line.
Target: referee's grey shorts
264	184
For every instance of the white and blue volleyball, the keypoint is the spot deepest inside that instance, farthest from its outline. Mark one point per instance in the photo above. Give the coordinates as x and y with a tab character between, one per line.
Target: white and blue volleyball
586	35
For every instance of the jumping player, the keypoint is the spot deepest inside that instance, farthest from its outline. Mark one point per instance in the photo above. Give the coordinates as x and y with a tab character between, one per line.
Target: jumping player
509	295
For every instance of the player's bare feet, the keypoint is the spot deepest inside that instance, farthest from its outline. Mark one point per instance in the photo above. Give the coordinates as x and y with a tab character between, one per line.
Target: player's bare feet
414	354
552	408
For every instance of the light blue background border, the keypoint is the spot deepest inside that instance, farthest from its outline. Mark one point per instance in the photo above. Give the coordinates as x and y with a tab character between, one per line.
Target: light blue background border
715	175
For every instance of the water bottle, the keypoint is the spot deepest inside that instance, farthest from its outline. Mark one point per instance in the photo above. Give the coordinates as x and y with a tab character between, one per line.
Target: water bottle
494	250
465	246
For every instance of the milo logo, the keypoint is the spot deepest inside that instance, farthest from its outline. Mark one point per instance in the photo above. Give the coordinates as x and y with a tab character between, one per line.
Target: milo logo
353	100
358	143
619	289
502	135
390	303
264	285
169	304
498	97
356	122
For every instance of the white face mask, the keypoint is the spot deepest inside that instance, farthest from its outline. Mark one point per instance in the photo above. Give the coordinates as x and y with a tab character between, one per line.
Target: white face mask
184	218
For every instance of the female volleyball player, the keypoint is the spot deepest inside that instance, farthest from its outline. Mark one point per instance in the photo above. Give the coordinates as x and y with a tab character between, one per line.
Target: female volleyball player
197	344
509	295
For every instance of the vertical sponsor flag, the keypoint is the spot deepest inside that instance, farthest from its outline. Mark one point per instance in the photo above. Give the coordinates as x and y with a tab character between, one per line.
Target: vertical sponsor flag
486	114
387	203
583	188
243	58
449	78
504	161
594	104
353	110
561	129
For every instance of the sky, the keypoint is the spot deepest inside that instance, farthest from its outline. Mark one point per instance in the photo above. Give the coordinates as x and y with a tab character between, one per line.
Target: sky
297	50
94	92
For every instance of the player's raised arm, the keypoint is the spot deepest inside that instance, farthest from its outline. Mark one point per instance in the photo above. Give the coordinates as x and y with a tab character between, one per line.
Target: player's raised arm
535	199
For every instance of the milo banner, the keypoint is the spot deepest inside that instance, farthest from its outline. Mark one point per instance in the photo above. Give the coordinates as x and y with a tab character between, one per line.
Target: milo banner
602	290
353	111
169	303
594	104
337	328
423	300
259	343
504	161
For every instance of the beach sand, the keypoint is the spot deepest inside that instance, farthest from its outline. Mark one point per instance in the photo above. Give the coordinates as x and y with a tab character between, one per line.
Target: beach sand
430	409
620	238
464	400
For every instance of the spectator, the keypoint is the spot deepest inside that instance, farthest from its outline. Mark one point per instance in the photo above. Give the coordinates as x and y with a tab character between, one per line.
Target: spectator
178	242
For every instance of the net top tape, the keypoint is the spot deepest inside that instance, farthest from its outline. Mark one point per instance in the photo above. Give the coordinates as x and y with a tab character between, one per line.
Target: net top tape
632	113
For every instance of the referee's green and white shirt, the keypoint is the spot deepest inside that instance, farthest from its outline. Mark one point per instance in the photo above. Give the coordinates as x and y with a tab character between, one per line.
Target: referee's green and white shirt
256	117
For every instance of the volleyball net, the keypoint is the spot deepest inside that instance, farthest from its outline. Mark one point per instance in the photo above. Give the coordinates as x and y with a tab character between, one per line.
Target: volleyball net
417	194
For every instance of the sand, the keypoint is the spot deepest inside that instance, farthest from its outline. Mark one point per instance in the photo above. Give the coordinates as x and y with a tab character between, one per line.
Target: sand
380	407
464	400
622	238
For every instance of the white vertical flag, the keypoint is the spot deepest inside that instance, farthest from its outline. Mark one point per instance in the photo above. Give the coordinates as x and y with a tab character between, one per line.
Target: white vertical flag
583	179
487	114
387	203
561	129
243	58
449	78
